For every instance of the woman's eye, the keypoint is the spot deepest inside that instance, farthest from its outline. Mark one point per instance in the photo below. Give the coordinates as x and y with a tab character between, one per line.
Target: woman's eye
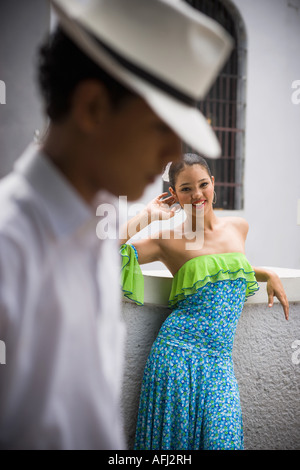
185	189
203	185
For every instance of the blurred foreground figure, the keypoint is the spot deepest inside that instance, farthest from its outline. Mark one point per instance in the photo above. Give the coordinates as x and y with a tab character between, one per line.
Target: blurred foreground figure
119	81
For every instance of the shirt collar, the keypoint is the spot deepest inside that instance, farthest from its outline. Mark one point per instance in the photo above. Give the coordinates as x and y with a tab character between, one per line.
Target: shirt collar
65	208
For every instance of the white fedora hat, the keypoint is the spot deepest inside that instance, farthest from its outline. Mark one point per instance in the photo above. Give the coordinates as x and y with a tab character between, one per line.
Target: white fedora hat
164	50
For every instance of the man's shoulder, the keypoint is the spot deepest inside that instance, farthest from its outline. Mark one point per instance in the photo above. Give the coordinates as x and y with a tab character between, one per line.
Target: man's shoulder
17	207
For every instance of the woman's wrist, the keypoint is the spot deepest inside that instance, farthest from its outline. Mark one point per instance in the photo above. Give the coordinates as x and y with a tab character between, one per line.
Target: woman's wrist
144	218
264	275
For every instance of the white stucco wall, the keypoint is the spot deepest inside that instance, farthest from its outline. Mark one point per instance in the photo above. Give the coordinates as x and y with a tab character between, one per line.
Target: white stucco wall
272	152
23	25
264	360
269	381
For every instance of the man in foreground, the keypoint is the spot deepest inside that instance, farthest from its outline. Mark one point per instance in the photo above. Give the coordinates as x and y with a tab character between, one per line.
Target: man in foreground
117	114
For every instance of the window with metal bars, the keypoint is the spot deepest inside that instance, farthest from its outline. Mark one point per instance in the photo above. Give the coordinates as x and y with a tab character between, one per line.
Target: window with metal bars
224	107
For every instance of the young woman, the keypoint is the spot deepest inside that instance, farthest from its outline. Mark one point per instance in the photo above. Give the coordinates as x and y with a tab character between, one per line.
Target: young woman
189	397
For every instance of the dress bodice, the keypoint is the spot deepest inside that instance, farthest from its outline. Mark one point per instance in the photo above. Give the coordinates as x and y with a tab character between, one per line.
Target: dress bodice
189	395
206	320
204	270
193	275
208	294
207	297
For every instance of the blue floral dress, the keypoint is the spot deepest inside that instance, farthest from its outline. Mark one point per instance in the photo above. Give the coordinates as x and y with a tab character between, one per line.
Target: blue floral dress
189	396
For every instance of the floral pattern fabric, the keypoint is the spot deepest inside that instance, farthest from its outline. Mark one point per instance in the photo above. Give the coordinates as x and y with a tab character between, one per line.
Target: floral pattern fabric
189	397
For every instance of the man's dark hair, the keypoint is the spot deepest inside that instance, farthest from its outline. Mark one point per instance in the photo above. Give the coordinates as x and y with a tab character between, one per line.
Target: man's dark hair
62	66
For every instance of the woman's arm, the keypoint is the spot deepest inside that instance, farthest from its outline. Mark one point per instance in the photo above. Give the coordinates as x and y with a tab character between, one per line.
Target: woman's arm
274	287
274	284
148	249
157	209
134	226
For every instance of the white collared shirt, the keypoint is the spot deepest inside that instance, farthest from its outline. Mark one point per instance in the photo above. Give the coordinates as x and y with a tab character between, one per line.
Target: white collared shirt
59	315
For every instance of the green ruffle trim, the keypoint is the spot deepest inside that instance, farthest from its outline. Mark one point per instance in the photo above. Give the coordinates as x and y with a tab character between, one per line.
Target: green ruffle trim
192	276
197	273
132	280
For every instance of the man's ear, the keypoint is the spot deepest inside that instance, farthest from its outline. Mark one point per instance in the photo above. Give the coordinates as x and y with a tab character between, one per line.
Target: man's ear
90	105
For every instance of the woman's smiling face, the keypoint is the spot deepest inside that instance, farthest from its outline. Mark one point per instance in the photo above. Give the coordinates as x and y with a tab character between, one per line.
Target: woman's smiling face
195	188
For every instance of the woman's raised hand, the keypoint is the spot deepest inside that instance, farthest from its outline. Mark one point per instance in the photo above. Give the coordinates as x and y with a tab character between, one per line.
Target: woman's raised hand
160	209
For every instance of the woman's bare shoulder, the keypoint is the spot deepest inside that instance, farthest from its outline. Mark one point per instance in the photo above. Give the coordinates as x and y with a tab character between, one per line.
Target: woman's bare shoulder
239	223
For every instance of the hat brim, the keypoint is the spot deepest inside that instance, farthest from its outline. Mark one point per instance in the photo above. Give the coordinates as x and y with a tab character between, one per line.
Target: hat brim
185	120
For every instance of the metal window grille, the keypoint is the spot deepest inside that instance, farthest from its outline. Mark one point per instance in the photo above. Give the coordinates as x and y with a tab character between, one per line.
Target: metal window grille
224	108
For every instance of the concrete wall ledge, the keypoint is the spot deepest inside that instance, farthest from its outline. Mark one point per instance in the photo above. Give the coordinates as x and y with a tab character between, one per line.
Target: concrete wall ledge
158	286
266	357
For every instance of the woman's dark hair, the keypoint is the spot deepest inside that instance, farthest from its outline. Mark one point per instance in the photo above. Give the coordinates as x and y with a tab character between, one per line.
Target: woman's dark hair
61	66
188	159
